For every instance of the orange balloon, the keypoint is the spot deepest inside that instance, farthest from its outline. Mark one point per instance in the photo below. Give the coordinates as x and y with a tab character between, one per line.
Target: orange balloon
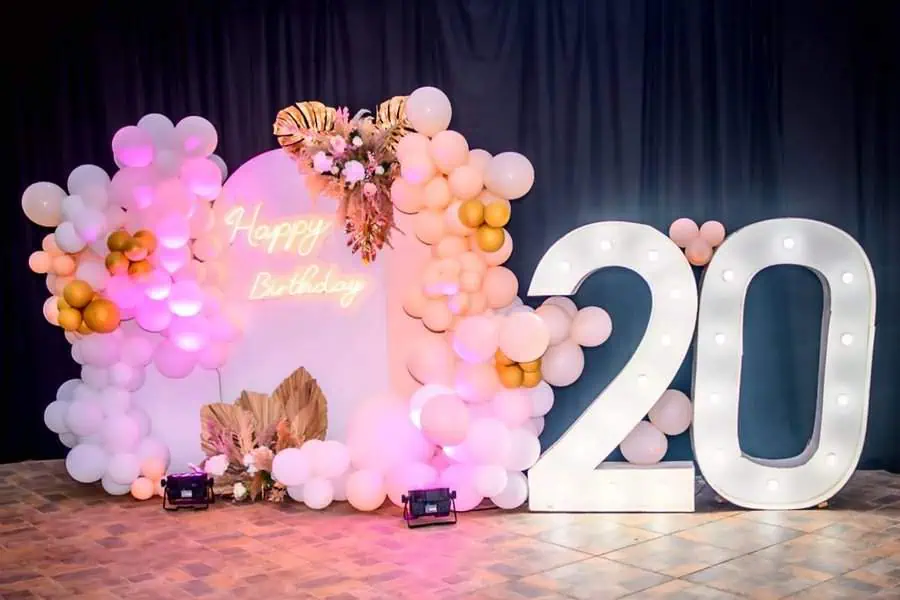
61	303
147	239
500	256
83	329
510	376
471	213
437	193
450	246
142	488
49	245
531	378
531	367
502	360
428	226
117	264
69	319
63	265
490	239
133	250
153	469
40	262
466	182
140	268
59	283
78	293
102	315
117	240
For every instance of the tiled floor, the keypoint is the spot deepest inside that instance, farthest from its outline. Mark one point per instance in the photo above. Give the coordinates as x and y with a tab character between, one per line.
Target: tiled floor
59	539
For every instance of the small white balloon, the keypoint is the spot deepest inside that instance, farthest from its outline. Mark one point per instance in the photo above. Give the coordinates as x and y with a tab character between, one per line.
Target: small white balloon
514	494
672	412
291	467
196	136
67	389
160	128
123	468
221	164
114	401
645	445
95	377
112	488
142	419
55	416
69	440
68	239
86	177
318	493
84	417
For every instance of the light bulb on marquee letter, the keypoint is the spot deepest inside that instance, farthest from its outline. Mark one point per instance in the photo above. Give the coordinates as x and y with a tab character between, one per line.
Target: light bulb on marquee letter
566	477
845	365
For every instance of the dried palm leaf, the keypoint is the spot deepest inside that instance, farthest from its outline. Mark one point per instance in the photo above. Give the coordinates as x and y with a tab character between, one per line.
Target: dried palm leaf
295	123
391	119
255	488
284	437
216	420
304	404
245	432
267	413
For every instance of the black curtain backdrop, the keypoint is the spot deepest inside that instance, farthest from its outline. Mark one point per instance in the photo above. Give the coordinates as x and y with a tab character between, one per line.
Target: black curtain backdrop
643	110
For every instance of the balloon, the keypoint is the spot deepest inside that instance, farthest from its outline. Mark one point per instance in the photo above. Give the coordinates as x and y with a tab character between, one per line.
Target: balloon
511	376
461	479
449	150
51	310
557	321
645	445
541	397
142	488
185	298
428	110
67	389
591	326
381	435
497	212
42	203
90	224
500	286
437	316
488	442
412	476
114	401
153	448
55	416
189	333
94	377
475	338
160	128
123	468
683	231
479	159
100	350
466	182
489	480
365	490
437	194
471	213
123	292
317	493
68	239
501	255
476	383
102	316
445	420
196	136
86	463
536	424
525	449
428	226
330	460
291	467
523	336
672	412
84	417
212	356
412	144
93	273
562	364
153	468
489	239
121	433
513	407
509	175
431	360
202	176
153	315
514	494
713	233
417	169
39	262
133	147
698	252
112	488
451	246
173	362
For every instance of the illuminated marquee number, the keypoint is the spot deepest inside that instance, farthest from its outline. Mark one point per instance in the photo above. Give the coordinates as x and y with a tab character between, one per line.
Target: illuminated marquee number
566	478
845	364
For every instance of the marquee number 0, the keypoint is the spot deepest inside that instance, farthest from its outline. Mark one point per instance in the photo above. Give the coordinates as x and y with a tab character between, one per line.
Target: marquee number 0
566	477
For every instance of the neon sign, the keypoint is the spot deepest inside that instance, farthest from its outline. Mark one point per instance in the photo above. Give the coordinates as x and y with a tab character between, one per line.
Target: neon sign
299	235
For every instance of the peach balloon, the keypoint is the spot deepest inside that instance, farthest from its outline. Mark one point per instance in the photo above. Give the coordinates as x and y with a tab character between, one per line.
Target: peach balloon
437	316
437	193
698	252
557	320
450	246
407	198
48	244
153	469
412	144
458	303
63	265
51	310
60	284
429	226
477	303
414	302
500	286
470	281
713	232
431	360
476	383
417	169
466	182
524	337
479	159
142	488
472	261
451	220
40	262
498	257
683	231
449	150
51	283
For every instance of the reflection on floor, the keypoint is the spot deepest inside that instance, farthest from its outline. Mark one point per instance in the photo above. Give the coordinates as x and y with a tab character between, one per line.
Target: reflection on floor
59	539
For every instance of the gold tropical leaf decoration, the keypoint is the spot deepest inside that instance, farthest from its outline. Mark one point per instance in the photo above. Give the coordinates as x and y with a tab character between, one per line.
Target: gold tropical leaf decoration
293	124
305	405
391	117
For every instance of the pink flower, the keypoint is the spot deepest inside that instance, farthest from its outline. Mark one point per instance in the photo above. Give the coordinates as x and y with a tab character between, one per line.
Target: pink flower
370	189
338	144
354	171
322	163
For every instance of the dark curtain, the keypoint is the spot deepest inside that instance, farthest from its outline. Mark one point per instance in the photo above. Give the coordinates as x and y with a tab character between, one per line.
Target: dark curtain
643	110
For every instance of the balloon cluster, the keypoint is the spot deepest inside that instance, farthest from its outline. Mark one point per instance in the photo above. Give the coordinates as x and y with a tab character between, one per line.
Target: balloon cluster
647	443
131	266
315	473
698	242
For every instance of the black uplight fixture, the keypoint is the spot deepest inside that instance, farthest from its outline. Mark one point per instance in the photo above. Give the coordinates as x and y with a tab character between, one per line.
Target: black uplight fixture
188	490
422	508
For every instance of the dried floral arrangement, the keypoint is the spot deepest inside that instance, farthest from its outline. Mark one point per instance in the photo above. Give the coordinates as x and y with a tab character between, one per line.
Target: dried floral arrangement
240	440
350	159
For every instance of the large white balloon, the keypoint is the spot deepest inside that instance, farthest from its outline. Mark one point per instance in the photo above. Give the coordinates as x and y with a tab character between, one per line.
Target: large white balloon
428	110
86	463
291	467
514	494
86	177
509	175
318	493
42	203
645	445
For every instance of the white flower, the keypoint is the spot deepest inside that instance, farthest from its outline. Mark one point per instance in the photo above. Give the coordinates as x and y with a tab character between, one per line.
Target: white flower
379	170
250	463
239	491
322	163
335	170
354	171
357	141
216	465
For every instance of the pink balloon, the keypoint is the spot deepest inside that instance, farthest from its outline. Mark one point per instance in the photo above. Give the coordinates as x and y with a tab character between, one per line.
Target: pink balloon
173	195
173	230
475	338
381	435
476	383
513	407
173	362
488	441
133	147
412	476
185	298
429	226
498	257
562	364
445	420
417	169
471	261
407	198
466	182
449	150
202	177
124	292
683	231
450	246
437	193
413	144
470	281
437	316
479	159
189	333
171	259
699	252
414	302
713	232
153	315
500	286
645	445
431	360
461	479
672	412
490	479
39	262
591	326
557	321
525	449
523	336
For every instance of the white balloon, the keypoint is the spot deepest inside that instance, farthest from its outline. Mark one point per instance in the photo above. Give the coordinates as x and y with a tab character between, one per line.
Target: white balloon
167	163
428	110
562	364
69	440
537	425
90	224
86	177
84	417
645	445
72	206
339	485
196	136
112	488
42	203
121	433
100	350
114	401
291	467
515	494
221	164
151	447
55	416
490	480
86	463
541	397
525	450
160	128
68	239
94	273
565	303
123	468
142	419
95	377
330	460
120	374
137	351
509	175
318	493
65	391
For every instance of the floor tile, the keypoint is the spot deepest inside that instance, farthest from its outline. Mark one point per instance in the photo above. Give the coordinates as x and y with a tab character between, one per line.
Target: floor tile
672	555
596	578
759	577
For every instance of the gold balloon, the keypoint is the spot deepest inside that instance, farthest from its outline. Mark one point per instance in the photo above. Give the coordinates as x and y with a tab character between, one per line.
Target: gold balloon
117	240
116	263
490	239
78	293
510	376
471	213
102	316
496	214
134	251
83	329
531	367
502	360
146	239
531	379
140	268
61	303
69	319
